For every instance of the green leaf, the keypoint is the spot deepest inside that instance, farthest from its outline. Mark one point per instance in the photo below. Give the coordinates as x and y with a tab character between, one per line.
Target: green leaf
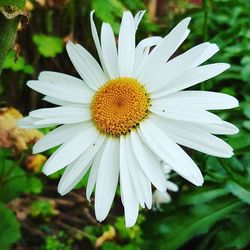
243	193
15	181
9	227
48	46
201	195
19	65
109	11
17	3
179	226
236	233
43	208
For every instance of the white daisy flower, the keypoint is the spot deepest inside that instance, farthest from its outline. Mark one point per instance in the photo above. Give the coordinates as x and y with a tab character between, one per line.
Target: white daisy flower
160	197
121	119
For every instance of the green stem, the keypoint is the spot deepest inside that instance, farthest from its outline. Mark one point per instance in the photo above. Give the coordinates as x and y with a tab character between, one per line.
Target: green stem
205	28
7	36
10	11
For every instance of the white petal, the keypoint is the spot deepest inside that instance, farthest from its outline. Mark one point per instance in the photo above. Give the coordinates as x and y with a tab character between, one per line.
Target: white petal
225	128
94	171
142	51
183	113
209	52
148	162
191	77
160	197
126	45
76	170
59	136
167	72
140	181
164	50
170	152
63	103
96	40
138	17
109	50
194	137
172	186
86	66
69	151
130	202
28	122
61	115
107	179
63	87
198	99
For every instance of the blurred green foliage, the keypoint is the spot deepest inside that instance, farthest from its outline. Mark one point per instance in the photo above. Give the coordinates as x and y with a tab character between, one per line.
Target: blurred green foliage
48	46
215	216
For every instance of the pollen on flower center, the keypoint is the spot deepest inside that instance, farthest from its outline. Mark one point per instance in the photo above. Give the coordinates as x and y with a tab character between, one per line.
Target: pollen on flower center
119	106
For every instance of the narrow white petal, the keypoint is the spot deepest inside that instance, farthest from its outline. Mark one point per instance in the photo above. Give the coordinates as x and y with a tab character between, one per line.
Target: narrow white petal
67	183
28	122
164	50
208	53
63	103
194	137
126	45
61	115
65	80
76	170
96	40
148	162
198	99
94	171
59	136
69	151
191	77
225	128
62	90
172	186
183	113
130	202
107	179
167	72
86	66
109	50
140	181
170	152
138	17
142	51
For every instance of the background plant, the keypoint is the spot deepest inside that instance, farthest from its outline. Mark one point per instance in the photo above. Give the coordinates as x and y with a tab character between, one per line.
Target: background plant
34	216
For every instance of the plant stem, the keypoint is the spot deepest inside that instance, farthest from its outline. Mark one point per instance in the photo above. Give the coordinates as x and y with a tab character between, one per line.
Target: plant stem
205	27
7	36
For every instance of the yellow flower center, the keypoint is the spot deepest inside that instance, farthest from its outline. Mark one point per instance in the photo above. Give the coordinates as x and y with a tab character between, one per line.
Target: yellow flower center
119	106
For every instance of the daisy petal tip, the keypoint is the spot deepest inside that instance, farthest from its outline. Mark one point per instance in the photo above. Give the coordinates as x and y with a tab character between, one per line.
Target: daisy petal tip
46	171
30	83
60	191
35	150
129	225
187	20
226	66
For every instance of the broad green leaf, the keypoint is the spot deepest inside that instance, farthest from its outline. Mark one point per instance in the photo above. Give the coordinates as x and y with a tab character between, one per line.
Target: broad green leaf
48	46
9	227
109	11
15	181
